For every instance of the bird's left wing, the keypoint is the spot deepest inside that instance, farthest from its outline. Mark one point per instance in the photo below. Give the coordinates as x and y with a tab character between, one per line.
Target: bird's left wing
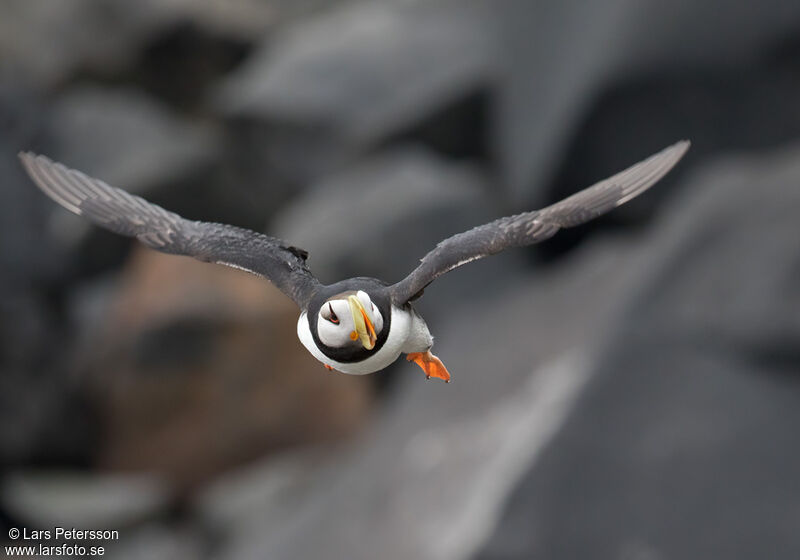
165	231
532	227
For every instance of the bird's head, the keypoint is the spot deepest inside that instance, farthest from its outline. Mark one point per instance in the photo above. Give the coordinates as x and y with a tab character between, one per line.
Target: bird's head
349	320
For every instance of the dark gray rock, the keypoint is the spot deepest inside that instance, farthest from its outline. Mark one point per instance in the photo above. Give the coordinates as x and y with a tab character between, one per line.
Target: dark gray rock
42	418
158	541
126	138
265	492
350	78
378	218
555	57
330	87
28	254
48	44
49	498
45	43
690	104
683	445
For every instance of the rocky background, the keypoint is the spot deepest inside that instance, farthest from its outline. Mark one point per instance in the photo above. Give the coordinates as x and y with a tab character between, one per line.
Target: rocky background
628	390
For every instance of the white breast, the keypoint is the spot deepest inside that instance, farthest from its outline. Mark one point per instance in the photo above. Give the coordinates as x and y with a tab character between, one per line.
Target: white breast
396	343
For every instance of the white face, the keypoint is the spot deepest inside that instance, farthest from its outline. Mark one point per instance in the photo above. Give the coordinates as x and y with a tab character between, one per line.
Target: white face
335	324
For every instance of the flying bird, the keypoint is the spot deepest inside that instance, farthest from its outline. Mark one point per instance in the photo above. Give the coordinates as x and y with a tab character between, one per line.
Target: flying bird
359	325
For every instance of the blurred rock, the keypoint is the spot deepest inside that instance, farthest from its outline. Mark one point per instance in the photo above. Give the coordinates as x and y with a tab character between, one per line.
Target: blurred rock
263	492
44	419
554	61
327	88
181	63
687	105
689	422
47	499
208	357
44	42
157	541
126	138
238	18
380	217
47	43
28	255
249	19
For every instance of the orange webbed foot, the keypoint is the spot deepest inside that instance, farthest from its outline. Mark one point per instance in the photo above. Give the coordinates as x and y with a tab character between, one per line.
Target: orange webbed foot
329	368
430	364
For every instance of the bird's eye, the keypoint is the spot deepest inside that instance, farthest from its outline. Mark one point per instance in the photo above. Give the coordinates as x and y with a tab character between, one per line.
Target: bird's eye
332	318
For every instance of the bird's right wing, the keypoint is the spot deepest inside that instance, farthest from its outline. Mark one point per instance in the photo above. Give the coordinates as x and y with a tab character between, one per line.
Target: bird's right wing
126	214
532	227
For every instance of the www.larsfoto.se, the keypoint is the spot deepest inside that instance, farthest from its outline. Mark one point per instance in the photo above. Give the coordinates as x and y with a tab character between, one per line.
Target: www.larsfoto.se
58	550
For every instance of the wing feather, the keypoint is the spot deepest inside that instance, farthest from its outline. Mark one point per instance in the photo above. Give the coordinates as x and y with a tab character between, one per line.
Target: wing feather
532	227
165	231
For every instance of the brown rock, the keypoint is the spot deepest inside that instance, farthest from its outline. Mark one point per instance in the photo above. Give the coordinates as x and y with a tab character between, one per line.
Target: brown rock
200	369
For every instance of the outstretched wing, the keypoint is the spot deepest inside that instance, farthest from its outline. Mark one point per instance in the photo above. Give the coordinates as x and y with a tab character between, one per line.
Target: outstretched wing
126	214
532	227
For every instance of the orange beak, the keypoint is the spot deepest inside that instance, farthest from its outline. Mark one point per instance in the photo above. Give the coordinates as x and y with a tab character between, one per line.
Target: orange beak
365	330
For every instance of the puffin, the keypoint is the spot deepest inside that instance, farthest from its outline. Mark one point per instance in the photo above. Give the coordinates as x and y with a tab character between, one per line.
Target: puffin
359	325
